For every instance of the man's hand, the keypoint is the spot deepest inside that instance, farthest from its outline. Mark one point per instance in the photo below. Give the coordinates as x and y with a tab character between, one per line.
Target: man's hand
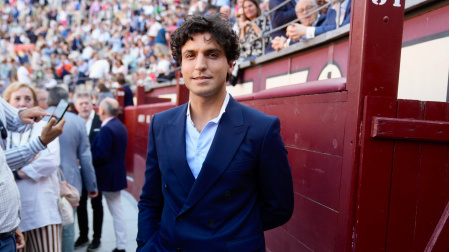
296	31
278	42
31	115
51	131
92	194
20	239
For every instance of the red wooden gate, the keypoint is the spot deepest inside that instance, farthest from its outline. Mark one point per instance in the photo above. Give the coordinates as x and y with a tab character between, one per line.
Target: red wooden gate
403	174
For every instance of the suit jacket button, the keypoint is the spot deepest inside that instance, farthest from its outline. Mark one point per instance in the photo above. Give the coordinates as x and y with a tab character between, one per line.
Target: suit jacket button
211	223
166	187
227	194
179	219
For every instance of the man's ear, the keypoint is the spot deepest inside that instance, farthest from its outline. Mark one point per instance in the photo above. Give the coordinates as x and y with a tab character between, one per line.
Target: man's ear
231	66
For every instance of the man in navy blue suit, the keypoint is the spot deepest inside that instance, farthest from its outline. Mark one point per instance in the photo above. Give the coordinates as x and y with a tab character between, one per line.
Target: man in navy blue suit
108	156
217	174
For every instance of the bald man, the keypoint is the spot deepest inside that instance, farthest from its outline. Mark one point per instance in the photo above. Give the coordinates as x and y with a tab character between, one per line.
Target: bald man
108	155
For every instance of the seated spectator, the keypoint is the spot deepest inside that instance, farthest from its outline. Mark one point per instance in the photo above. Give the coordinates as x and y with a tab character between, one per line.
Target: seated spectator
103	92
297	31
226	10
281	16
164	72
251	29
303	8
119	67
128	93
321	3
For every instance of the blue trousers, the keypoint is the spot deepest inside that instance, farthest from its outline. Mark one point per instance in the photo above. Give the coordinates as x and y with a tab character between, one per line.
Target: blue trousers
68	236
8	244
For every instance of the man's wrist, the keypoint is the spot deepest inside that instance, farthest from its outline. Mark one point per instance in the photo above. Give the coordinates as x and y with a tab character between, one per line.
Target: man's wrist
42	142
16	175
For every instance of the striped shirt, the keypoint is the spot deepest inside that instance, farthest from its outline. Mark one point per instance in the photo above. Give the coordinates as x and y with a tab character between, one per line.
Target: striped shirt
14	158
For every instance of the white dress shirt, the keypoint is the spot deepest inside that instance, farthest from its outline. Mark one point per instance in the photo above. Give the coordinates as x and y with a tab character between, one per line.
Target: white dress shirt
39	193
198	144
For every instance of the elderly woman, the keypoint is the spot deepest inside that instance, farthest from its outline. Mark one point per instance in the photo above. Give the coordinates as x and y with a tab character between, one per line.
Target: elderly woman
37	182
251	27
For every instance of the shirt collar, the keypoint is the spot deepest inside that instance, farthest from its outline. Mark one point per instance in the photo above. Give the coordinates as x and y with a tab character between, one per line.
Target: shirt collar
107	120
92	114
222	110
343	5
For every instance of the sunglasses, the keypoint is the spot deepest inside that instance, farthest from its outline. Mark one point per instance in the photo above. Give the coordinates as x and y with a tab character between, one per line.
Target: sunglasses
3	131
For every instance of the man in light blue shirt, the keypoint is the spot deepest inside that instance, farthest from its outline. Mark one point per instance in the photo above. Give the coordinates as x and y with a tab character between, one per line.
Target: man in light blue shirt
217	173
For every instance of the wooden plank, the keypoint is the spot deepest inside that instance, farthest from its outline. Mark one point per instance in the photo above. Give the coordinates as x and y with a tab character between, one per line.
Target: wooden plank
404	185
316	126
313	224
316	176
279	240
373	193
431	182
409	129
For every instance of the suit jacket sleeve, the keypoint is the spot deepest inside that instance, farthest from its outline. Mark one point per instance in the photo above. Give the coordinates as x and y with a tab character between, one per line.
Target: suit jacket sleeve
283	15
85	158
151	201
275	183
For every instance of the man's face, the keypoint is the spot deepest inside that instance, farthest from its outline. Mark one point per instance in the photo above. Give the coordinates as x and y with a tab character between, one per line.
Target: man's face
42	100
204	66
303	8
84	106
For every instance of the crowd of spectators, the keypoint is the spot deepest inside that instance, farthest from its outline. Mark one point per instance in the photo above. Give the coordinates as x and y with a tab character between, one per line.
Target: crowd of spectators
46	42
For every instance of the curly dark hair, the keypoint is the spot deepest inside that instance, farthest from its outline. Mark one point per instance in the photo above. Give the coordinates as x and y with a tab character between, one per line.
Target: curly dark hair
217	25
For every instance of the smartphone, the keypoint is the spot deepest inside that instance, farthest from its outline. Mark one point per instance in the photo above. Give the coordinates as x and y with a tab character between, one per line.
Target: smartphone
59	111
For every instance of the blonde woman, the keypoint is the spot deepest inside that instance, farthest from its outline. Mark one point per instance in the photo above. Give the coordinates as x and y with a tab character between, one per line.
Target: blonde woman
41	221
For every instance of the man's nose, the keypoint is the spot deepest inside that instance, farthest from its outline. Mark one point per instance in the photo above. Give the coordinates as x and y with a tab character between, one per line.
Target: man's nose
201	63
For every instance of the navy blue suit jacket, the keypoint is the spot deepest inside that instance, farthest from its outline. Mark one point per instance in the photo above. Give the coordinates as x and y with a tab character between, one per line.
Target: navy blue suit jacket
329	22
282	16
108	155
244	187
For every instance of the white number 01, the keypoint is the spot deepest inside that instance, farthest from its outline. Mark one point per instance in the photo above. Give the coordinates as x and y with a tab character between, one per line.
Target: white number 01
397	3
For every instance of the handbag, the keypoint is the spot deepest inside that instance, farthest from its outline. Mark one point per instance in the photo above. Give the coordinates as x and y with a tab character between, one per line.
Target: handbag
67	191
66	211
68	199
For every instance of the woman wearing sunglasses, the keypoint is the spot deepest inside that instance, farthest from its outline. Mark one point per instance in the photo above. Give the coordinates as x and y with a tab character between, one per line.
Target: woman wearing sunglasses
37	181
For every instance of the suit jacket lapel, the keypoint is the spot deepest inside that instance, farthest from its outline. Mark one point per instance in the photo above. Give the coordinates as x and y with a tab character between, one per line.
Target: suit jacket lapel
227	140
94	128
176	147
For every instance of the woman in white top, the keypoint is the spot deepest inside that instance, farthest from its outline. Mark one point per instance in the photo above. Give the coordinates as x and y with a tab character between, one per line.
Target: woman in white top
37	181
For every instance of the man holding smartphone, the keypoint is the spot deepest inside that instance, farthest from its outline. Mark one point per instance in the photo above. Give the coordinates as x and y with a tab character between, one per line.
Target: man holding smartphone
12	119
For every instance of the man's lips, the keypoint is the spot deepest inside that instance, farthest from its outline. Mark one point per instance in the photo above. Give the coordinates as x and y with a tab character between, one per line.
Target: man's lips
201	77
